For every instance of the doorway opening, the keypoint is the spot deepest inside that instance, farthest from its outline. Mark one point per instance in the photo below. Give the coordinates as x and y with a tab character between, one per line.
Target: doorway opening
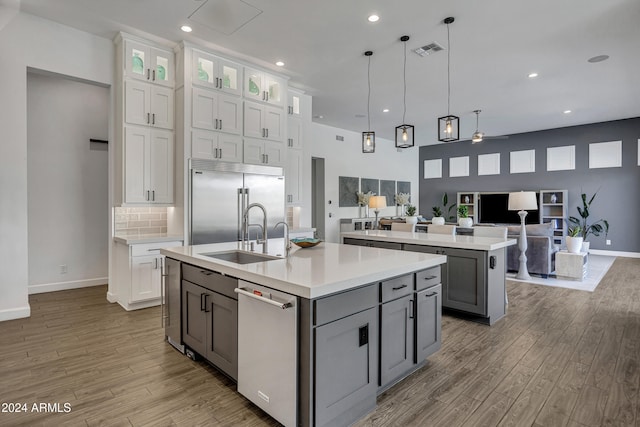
317	196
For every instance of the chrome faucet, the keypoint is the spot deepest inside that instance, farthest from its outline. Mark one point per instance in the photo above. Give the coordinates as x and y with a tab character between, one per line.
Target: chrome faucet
287	242
245	225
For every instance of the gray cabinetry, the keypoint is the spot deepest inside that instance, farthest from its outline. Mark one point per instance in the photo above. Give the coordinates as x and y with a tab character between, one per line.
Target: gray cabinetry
396	339
464	282
428	313
210	317
346	368
194	318
373	244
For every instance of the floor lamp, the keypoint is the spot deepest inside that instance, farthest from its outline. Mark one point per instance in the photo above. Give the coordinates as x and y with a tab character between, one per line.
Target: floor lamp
523	201
377	203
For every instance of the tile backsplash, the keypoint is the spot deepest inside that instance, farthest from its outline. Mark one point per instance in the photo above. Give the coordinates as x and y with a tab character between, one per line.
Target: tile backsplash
142	220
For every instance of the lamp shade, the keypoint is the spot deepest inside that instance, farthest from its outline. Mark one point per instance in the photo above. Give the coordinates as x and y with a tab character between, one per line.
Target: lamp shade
523	201
378	202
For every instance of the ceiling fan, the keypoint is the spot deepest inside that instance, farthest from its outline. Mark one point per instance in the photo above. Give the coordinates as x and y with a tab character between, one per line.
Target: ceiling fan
480	136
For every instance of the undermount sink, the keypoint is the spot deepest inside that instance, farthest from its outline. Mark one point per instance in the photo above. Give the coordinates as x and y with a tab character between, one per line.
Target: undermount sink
240	257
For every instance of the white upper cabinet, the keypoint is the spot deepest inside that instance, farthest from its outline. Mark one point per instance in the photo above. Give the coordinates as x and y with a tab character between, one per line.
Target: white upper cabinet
294	107
148	165
263	121
216	73
150	64
216	146
264	87
215	111
148	105
294	176
294	132
264	152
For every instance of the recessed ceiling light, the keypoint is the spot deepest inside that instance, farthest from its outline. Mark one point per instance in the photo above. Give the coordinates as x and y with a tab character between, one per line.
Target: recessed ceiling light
373	18
598	58
280	64
186	28
567	111
318	116
533	75
386	110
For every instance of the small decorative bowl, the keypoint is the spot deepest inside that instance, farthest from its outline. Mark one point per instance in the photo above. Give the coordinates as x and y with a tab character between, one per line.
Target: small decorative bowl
306	242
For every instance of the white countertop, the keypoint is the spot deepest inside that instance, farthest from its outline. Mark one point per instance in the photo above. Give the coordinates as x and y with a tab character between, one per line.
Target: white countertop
312	272
136	239
431	239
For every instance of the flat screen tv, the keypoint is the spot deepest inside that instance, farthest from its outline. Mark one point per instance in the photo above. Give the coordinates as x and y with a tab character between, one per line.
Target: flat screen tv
493	208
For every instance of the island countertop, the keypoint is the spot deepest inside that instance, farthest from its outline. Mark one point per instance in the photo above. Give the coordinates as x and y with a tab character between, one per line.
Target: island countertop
313	272
431	239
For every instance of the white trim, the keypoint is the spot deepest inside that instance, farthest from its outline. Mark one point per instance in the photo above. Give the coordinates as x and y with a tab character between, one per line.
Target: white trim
561	158
605	155
615	253
489	164
111	297
432	168
15	313
523	161
62	286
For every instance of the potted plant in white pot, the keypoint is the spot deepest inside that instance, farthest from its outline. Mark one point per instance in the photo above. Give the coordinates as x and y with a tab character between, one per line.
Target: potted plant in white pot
595	228
463	217
574	239
438	217
411	217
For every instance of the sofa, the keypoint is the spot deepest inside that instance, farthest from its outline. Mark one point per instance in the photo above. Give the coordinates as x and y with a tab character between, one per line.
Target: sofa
541	251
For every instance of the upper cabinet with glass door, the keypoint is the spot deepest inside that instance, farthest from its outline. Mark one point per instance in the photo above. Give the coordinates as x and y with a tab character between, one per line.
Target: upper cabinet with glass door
265	87
293	104
216	73
148	63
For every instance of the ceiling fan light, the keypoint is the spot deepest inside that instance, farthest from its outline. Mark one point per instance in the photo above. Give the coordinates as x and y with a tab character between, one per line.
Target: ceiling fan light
477	137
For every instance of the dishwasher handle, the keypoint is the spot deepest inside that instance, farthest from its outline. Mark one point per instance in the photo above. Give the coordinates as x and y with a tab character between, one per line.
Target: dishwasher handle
281	305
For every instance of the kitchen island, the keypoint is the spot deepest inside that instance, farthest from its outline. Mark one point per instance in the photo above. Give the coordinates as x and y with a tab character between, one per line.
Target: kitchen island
473	279
342	324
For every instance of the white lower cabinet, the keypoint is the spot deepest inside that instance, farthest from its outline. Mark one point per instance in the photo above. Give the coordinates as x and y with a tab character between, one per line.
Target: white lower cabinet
139	273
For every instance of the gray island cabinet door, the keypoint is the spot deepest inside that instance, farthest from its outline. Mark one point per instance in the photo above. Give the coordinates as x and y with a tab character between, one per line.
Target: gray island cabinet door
346	368
194	318
428	322
222	330
396	339
466	286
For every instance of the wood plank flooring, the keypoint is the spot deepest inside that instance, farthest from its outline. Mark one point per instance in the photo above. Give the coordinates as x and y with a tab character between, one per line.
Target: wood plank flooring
559	358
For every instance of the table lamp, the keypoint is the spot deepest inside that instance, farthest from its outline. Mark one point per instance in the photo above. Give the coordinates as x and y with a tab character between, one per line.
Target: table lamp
377	203
523	201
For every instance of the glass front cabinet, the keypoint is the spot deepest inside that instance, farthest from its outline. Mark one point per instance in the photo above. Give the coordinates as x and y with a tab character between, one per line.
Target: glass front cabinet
148	63
216	73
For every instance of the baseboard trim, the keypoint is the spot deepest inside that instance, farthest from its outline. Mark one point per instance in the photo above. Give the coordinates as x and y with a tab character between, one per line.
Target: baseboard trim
614	253
15	313
111	297
63	286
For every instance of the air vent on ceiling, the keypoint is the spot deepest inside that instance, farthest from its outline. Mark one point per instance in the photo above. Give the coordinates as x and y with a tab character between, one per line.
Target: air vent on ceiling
429	49
339	138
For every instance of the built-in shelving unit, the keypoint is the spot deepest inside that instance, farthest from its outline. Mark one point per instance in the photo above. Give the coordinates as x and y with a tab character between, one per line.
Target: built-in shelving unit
553	209
470	200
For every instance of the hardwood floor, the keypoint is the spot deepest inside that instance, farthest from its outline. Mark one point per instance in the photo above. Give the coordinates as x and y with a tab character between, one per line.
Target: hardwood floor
559	358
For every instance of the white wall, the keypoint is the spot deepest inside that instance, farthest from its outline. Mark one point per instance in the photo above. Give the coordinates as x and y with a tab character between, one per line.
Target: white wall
345	158
28	41
68	185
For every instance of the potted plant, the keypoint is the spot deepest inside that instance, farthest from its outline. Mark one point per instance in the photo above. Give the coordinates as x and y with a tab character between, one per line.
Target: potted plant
463	217
438	218
574	239
595	228
411	215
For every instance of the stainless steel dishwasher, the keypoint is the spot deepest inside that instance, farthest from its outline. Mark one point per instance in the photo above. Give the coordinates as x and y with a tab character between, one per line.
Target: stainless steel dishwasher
267	350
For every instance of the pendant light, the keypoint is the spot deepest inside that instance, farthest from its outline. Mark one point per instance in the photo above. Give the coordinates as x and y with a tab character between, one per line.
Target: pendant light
404	132
477	135
449	125
368	137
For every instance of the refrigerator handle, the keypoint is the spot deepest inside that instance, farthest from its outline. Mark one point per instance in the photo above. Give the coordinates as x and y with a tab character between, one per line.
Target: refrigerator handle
240	212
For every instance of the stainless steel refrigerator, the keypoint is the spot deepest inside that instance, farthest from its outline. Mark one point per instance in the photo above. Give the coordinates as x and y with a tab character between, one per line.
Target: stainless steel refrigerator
221	191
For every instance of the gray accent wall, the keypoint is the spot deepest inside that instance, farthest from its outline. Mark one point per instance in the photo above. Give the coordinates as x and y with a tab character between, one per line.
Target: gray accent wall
618	198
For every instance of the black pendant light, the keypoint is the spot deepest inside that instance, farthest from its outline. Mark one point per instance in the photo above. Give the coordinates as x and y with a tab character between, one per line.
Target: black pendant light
404	132
449	125
368	137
